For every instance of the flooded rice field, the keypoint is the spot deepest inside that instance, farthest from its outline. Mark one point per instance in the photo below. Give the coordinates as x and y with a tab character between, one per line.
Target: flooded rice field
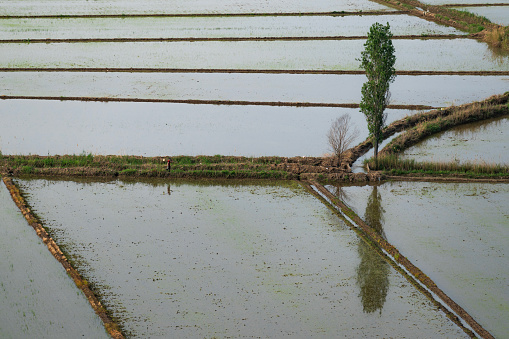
152	129
434	90
498	15
120	7
457	234
37	298
213	27
479	142
464	2
197	259
435	55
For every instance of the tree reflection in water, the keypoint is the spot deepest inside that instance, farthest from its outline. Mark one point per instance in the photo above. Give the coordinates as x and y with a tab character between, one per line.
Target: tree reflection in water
373	271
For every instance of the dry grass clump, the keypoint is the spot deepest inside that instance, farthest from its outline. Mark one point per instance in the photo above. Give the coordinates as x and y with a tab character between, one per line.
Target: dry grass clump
498	37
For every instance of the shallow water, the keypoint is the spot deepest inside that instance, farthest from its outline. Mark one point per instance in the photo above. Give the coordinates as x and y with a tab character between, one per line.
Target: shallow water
213	27
457	234
237	259
498	15
479	142
437	55
37	298
436	91
151	129
466	2
76	7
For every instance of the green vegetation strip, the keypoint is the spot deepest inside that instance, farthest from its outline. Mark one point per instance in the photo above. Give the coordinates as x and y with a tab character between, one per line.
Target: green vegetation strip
240	71
111	327
422	125
211	102
482	27
183	15
378	242
191	39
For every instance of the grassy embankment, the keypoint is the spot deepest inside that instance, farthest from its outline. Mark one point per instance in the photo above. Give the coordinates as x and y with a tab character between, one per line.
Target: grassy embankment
137	166
431	123
479	26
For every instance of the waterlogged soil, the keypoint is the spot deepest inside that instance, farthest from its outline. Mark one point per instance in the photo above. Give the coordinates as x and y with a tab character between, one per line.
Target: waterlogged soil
198	259
121	7
153	129
435	90
434	55
37	299
213	27
498	15
480	142
457	234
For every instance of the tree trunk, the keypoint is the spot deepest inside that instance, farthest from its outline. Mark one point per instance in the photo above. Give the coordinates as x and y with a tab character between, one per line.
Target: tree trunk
375	147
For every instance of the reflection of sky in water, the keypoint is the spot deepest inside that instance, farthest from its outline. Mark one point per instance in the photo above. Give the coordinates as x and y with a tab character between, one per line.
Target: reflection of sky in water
55	7
484	141
213	27
150	129
38	299
436	91
498	15
239	258
456	234
427	55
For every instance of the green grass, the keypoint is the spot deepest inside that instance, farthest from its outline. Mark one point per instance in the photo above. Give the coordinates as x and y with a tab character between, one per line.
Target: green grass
393	165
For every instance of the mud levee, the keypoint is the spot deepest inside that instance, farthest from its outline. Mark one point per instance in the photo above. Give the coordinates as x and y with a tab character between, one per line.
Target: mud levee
237	71
191	15
493	106
211	102
191	39
378	242
111	327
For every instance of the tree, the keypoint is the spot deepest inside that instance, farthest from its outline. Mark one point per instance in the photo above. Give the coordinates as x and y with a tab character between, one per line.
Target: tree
378	61
341	136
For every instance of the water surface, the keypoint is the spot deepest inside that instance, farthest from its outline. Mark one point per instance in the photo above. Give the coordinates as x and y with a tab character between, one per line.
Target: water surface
498	15
242	259
213	27
479	142
435	91
428	55
119	7
457	234
151	129
37	298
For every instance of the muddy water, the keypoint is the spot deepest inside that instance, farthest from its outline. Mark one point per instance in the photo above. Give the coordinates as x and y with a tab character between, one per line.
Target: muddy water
75	7
480	142
435	91
443	55
37	298
198	259
213	27
498	15
457	234
150	129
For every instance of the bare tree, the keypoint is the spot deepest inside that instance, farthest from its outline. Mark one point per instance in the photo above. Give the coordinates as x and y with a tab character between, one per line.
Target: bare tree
341	135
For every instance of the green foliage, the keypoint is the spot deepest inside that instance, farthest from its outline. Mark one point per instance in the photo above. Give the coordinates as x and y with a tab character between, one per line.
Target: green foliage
378	61
128	171
27	169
